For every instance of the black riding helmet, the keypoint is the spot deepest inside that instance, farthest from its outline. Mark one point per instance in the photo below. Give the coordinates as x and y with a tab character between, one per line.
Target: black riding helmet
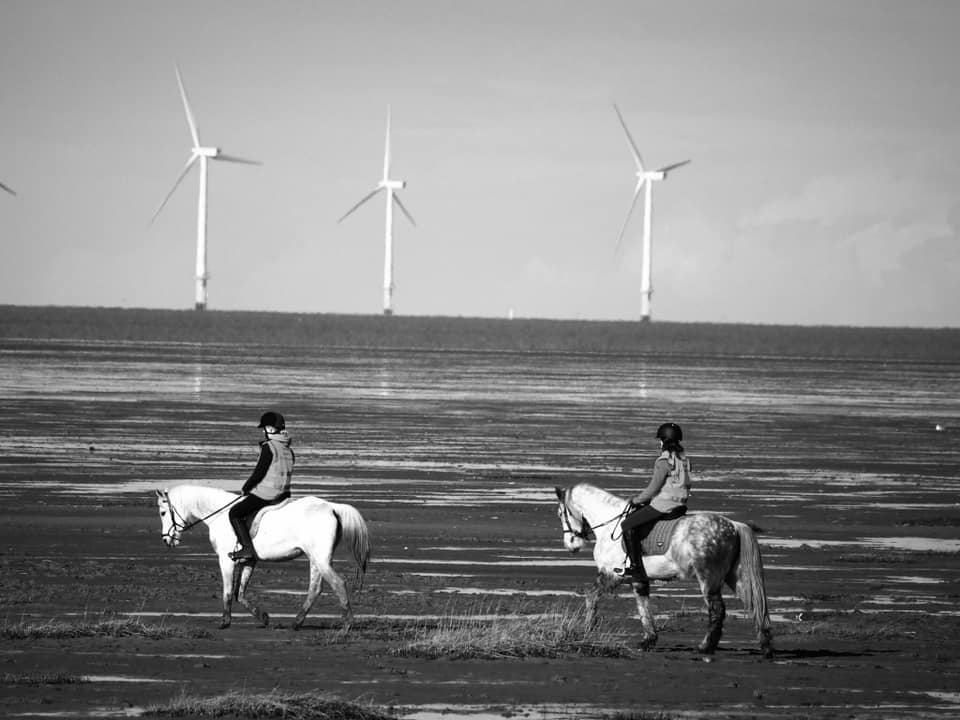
272	418
669	431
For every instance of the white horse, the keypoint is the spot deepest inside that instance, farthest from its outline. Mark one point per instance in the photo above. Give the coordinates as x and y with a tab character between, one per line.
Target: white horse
707	546
305	526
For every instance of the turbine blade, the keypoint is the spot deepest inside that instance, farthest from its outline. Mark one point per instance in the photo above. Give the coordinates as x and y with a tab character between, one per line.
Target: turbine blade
183	173
668	168
8	189
623	229
186	106
386	151
396	199
633	146
365	198
235	159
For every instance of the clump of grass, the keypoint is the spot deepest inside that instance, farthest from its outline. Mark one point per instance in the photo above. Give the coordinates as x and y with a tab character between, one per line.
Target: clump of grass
492	633
273	704
40	678
103	627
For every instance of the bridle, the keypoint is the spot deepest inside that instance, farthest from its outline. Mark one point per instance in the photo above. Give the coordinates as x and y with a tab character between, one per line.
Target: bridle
583	533
179	523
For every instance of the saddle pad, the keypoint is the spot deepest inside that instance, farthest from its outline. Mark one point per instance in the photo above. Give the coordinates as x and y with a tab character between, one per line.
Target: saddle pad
658	540
255	524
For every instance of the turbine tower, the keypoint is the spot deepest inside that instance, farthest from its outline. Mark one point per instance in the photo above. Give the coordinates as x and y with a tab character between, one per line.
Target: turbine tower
391	187
645	180
203	154
4	187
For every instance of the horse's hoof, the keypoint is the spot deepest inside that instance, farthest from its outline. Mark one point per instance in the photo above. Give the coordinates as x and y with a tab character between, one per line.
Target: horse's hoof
224	624
647	644
706	649
264	620
297	624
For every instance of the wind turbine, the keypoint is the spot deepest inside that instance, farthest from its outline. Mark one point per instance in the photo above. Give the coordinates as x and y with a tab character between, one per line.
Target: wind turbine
390	186
645	180
203	154
8	189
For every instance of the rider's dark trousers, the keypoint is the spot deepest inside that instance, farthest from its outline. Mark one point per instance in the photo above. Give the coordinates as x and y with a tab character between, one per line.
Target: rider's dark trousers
239	513
636	526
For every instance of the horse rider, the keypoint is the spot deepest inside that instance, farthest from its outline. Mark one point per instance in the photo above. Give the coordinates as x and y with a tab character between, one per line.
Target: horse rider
665	497
268	484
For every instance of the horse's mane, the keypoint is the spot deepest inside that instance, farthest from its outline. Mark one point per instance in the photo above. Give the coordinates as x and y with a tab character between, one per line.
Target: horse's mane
592	492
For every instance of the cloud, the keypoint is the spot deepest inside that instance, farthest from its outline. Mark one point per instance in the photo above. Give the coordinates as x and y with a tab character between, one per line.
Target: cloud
852	200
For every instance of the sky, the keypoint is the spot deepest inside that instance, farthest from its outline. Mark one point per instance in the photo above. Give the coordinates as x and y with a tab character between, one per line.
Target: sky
823	187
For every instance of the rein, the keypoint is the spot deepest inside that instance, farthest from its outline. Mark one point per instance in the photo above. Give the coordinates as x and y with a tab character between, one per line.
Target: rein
586	529
179	522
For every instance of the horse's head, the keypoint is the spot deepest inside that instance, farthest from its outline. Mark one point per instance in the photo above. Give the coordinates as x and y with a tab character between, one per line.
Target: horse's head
575	528
171	524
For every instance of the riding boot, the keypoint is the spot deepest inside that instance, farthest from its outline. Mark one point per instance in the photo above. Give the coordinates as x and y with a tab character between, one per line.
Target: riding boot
635	551
631	543
243	537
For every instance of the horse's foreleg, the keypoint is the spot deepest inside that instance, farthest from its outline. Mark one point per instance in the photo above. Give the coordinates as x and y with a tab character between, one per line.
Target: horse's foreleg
313	592
229	590
242	597
603	583
648	637
716	612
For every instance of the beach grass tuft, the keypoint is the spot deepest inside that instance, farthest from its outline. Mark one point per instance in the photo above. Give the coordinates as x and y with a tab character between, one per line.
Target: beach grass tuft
273	704
99	627
40	678
494	632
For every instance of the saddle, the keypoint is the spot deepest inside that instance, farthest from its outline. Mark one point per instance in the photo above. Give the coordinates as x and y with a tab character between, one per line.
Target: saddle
253	523
657	541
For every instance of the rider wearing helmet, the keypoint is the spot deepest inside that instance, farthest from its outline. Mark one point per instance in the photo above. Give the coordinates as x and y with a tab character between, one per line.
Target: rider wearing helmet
268	484
665	496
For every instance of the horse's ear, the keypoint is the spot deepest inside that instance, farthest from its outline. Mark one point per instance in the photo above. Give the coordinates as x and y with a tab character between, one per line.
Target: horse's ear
561	493
159	493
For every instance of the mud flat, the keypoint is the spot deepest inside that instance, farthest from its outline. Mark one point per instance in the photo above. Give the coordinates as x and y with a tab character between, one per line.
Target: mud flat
863	628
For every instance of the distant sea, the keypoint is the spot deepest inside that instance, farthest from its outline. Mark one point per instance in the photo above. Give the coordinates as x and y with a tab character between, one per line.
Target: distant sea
481	334
174	393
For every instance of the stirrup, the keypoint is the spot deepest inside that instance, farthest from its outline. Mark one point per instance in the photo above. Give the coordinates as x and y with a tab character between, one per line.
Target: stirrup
242	555
625	571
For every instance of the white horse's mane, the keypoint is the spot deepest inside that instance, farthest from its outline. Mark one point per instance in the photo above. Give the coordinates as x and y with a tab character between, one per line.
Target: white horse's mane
593	493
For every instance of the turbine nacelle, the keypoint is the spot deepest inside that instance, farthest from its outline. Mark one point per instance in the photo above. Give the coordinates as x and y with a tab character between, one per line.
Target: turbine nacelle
210	152
653	175
393	184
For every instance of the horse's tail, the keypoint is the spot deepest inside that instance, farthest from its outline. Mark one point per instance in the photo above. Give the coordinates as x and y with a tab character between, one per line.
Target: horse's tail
353	529
746	578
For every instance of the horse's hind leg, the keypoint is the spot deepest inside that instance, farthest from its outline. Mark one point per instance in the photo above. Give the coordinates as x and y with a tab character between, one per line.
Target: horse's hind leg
246	571
340	589
716	612
313	592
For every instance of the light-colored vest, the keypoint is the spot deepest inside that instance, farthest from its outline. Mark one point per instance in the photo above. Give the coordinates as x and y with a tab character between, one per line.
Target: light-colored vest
676	488
277	480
